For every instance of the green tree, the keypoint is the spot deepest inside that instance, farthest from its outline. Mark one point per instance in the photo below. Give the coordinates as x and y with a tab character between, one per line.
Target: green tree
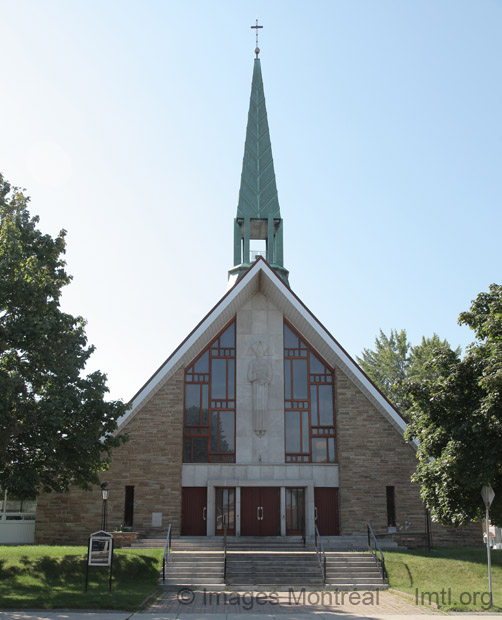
422	356
387	366
457	420
56	429
394	362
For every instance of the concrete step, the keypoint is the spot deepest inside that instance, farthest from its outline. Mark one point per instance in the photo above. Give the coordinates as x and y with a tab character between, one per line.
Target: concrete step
354	543
195	561
356	583
173	569
265	543
356	570
204	555
175	581
270	547
277	566
349	587
272	556
345	565
278	583
146	543
253	570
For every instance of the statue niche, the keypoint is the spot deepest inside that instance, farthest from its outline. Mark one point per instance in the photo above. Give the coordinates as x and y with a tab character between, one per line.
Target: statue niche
260	377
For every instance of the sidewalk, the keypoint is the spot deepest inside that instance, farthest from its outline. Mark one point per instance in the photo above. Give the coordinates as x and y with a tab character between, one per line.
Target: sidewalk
280	615
187	604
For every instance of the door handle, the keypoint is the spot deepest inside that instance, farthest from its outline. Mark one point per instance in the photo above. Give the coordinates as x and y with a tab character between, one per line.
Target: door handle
261	517
258	513
315	513
204	513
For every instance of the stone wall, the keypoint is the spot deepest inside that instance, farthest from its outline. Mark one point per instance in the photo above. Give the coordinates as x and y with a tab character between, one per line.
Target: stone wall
372	455
471	535
150	461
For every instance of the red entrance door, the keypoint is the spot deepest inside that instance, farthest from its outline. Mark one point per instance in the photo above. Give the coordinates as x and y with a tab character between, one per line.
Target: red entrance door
326	510
260	511
194	511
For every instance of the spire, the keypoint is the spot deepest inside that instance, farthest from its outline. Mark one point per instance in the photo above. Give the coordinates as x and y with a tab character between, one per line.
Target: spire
258	213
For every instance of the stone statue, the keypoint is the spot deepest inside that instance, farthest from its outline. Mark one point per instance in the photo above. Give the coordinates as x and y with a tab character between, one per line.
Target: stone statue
260	376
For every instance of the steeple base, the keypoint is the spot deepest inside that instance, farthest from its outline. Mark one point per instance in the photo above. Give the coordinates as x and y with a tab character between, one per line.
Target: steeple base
235	274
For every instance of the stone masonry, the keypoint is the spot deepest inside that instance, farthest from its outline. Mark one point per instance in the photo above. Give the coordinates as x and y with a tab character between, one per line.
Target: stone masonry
150	461
372	455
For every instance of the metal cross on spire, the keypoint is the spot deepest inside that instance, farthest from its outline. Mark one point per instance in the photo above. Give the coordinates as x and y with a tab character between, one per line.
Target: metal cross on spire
257	50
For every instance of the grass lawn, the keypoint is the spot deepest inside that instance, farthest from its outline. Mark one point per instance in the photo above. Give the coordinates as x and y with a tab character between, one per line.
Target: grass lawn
454	577
54	577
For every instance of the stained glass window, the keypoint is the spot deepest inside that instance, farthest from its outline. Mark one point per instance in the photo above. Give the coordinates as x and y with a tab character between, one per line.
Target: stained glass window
308	403
209	427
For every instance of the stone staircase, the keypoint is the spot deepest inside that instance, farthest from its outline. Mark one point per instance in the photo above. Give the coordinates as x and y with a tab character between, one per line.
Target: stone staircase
271	563
193	561
268	563
352	570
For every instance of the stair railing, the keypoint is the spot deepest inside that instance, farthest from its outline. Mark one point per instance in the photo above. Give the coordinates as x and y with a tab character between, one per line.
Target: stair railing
321	554
374	548
224	549
167	552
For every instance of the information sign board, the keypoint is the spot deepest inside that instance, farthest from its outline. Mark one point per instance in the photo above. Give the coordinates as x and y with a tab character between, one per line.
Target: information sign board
99	553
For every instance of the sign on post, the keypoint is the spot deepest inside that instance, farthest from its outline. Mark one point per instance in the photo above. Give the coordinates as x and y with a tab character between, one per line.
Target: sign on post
487	493
99	553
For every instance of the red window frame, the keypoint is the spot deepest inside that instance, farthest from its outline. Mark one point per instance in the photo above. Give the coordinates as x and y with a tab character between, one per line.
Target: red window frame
314	379
216	350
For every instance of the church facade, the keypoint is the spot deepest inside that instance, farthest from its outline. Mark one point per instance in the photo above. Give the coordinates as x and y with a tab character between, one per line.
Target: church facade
259	421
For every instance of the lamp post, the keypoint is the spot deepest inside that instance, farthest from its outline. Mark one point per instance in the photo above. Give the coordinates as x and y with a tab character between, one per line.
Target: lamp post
104	495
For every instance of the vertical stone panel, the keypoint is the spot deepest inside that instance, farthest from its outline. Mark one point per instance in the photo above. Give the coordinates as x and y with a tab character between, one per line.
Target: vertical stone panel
259	321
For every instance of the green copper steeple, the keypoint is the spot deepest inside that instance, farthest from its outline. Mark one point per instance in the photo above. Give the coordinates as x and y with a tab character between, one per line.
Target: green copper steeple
258	213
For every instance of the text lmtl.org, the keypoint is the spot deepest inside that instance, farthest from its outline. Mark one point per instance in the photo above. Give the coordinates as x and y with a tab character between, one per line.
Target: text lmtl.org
444	598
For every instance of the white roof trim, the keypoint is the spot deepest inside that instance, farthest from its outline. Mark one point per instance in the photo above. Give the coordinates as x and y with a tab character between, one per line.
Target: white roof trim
171	363
261	267
350	365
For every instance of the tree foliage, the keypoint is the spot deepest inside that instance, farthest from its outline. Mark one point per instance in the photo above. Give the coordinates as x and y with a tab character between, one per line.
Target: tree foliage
394	362
457	420
55	425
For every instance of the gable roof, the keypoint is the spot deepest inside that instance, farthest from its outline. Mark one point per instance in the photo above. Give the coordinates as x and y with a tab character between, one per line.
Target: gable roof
261	277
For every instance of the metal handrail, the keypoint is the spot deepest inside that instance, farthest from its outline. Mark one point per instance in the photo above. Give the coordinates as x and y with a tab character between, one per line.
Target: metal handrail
321	554
373	547
224	550
167	552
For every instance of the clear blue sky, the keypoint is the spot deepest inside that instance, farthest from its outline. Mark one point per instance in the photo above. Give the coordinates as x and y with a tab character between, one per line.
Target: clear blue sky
125	122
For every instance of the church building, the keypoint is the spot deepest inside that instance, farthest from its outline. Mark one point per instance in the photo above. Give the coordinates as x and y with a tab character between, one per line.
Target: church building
259	420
